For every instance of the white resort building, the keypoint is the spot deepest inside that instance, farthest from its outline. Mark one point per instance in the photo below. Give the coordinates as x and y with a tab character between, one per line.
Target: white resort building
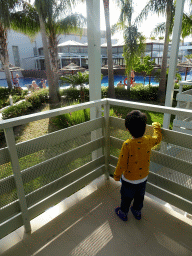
28	54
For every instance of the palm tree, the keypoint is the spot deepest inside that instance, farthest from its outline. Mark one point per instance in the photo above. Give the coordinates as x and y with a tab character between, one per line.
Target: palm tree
20	17
71	23
133	40
78	79
6	7
165	7
51	27
111	89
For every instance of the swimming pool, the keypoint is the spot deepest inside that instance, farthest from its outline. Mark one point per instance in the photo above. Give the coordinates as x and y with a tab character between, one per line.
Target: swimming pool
104	82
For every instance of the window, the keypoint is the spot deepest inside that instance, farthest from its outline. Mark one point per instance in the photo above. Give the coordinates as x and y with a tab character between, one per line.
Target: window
41	51
35	52
16	55
73	49
155	54
120	49
156	47
104	51
148	48
114	50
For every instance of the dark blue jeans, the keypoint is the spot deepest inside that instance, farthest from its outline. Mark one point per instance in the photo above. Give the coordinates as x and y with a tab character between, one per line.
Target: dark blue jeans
131	191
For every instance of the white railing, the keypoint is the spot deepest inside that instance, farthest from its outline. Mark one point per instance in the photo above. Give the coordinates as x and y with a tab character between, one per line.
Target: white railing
60	182
184	100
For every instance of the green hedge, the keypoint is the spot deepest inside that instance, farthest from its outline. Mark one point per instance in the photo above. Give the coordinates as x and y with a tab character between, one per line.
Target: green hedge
139	92
38	98
33	101
17	110
147	93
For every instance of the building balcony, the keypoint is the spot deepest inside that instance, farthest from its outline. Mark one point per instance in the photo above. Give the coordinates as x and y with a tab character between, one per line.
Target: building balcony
64	204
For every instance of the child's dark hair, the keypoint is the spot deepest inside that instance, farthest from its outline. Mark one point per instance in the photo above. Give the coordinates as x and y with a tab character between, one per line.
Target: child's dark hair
135	122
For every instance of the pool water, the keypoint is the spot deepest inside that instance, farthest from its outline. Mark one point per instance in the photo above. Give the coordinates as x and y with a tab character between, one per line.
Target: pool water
138	79
104	82
22	81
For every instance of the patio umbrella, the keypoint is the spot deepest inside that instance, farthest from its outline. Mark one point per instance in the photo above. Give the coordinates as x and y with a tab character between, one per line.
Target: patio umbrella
72	67
186	64
105	67
12	69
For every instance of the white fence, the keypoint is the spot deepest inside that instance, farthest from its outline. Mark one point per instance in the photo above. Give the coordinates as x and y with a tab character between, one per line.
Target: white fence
40	185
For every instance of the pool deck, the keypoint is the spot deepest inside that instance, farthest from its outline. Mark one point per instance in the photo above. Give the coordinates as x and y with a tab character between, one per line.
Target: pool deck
85	224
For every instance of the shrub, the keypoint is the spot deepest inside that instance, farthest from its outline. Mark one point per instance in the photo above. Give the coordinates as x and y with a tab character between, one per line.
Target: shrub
122	93
70	119
104	91
146	93
71	94
4	102
38	98
17	110
4	92
4	96
34	100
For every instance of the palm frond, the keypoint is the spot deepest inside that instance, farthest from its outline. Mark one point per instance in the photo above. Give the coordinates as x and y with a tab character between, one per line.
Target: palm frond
186	25
6	7
77	79
153	6
26	21
71	23
159	29
117	27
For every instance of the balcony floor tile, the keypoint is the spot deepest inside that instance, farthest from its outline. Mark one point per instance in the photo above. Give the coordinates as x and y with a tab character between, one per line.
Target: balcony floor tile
86	224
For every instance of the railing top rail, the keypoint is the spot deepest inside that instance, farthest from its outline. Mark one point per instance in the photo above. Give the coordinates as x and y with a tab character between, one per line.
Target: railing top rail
187	82
150	107
49	113
55	112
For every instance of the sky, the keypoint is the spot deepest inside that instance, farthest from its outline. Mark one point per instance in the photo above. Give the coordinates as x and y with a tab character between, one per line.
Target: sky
146	27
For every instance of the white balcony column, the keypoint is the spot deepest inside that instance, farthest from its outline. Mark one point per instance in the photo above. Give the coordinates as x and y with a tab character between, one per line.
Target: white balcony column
94	48
94	62
173	59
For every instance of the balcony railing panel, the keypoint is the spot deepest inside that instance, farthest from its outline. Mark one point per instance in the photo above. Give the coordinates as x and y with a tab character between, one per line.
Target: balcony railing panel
67	163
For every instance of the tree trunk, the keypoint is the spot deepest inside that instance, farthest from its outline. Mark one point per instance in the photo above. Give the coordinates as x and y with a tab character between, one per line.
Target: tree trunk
129	81
162	84
111	89
4	56
53	42
53	96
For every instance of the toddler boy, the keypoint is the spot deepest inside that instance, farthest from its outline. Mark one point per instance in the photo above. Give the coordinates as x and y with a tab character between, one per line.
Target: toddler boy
133	164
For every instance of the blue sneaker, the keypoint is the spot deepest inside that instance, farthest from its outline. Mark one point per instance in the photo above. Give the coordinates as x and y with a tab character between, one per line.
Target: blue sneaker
137	214
121	214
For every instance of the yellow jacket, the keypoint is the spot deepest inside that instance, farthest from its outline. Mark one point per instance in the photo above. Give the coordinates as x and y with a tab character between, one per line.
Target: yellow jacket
135	153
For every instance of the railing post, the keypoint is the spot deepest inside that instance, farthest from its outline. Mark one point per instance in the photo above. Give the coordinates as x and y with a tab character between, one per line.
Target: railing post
10	139
96	113
107	138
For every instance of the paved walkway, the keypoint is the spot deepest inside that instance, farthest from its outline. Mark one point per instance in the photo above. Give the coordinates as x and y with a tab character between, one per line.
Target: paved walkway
85	224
